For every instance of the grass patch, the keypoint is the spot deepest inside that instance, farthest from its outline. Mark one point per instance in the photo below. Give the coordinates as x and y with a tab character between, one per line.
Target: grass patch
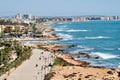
61	62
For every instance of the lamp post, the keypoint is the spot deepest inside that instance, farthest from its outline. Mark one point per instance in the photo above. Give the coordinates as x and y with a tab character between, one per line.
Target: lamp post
45	65
1	58
41	74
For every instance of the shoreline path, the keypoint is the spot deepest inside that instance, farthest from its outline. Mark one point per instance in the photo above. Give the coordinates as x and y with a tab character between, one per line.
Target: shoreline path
35	68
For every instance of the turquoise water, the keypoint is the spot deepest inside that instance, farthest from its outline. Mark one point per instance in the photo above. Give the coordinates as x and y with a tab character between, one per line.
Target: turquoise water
100	38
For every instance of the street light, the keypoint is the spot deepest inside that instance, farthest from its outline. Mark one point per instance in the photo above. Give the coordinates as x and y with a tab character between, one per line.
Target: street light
1	58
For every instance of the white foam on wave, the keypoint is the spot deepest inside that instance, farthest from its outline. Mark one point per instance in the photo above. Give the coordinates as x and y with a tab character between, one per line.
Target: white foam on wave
119	65
56	29
80	46
63	26
118	48
104	55
60	23
82	49
97	37
72	30
65	36
60	29
85	48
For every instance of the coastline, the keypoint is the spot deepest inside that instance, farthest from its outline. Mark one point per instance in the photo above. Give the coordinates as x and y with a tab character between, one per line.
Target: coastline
78	66
101	73
77	69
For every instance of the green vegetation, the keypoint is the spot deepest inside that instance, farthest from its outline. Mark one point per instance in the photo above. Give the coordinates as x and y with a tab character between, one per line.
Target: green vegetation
7	22
12	48
57	61
61	62
34	28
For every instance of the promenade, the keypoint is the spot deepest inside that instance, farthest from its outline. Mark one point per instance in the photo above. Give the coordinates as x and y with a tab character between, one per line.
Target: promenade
35	68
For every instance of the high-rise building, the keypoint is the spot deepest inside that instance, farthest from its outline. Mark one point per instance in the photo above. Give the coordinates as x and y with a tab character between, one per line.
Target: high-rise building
18	16
27	16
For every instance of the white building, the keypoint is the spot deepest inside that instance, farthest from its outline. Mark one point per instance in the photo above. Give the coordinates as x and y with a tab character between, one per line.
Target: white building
18	16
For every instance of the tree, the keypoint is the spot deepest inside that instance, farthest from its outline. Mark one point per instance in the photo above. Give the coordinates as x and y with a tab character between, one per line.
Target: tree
34	28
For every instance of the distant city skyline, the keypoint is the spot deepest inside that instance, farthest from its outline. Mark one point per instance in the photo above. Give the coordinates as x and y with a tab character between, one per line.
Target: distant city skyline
60	7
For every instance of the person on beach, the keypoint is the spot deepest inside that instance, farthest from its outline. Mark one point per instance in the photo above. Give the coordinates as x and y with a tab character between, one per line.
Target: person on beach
36	65
42	68
39	58
41	52
38	73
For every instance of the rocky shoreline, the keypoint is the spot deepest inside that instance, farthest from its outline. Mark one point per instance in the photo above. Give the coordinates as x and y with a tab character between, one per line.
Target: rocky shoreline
78	70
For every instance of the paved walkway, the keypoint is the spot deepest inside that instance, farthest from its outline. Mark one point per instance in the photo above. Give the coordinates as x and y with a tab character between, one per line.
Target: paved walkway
35	68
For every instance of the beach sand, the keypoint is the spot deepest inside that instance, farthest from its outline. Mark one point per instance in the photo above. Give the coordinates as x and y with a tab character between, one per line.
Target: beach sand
84	73
34	68
80	70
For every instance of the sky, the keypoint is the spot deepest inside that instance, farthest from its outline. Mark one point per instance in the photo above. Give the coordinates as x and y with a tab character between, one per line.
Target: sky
60	7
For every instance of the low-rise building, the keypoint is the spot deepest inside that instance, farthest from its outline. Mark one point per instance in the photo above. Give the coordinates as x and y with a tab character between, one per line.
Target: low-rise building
11	28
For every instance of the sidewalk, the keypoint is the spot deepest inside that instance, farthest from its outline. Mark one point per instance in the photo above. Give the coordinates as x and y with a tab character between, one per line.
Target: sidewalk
35	68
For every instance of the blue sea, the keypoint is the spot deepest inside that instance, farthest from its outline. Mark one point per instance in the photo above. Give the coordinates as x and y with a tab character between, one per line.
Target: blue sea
101	38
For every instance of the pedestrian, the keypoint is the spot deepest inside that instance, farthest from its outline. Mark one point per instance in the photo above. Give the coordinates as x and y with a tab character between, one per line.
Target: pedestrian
42	68
38	73
36	65
39	58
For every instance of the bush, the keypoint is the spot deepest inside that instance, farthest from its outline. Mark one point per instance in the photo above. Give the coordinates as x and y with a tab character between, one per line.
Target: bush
61	62
22	55
49	76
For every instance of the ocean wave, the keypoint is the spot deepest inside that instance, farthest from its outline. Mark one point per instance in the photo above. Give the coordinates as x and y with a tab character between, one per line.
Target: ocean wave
72	30
65	36
63	26
60	23
97	37
80	46
59	29
118	48
104	55
119	65
85	48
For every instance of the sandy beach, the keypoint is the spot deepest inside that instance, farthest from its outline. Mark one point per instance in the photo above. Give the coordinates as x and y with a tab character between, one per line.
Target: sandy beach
35	68
80	70
84	73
